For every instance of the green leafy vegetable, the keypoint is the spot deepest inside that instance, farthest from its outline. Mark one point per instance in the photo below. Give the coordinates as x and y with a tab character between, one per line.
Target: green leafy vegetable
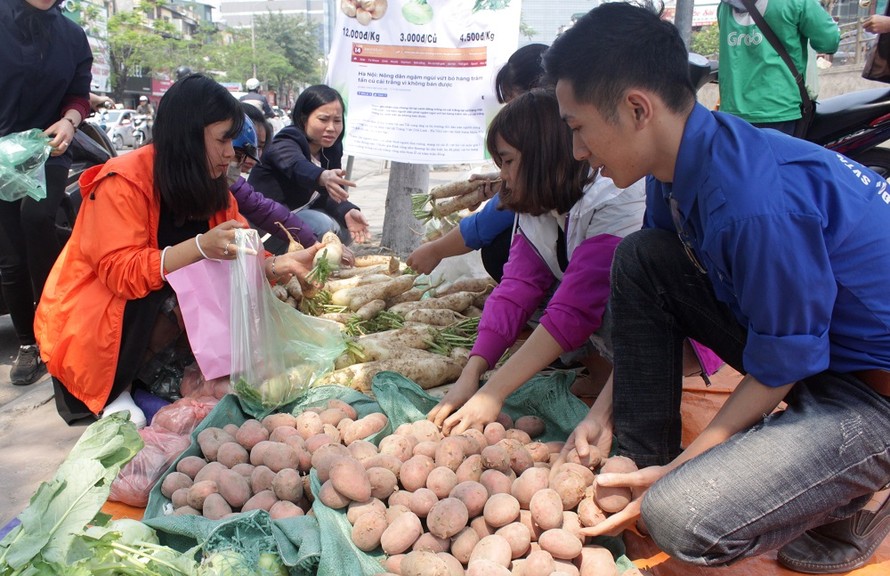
417	12
490	5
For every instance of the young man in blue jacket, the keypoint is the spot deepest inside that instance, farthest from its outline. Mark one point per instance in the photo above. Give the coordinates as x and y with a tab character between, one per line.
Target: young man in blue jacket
774	253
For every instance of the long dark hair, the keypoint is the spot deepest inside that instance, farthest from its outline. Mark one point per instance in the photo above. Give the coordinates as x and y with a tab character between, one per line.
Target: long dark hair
313	98
522	72
182	178
549	176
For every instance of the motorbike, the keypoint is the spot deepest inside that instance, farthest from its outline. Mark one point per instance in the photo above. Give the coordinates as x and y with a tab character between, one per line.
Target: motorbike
141	130
852	124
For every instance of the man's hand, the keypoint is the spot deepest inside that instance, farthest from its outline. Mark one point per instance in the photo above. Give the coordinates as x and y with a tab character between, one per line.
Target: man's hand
627	519
424	258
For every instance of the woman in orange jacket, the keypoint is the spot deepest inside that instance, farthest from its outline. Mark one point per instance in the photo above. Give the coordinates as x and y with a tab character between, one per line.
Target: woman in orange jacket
107	310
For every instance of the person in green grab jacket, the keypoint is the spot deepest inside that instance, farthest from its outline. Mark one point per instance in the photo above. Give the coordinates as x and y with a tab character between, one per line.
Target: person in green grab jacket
755	84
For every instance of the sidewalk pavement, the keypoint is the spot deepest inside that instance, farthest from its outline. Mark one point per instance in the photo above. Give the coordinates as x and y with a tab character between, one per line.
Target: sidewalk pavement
34	440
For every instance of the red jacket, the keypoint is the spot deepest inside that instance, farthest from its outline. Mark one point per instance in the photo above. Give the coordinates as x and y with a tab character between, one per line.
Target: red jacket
112	257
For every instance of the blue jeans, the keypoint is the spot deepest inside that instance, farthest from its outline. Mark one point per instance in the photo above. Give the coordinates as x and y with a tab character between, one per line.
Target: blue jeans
817	461
320	222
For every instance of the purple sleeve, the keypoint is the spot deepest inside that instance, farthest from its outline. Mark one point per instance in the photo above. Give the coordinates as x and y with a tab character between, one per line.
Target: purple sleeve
576	309
524	284
264	213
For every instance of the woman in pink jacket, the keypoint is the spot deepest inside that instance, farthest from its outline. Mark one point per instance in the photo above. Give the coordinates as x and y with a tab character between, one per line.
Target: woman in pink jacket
568	225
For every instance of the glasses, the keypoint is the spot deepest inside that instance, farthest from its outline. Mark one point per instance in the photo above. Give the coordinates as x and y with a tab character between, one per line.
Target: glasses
684	237
242	154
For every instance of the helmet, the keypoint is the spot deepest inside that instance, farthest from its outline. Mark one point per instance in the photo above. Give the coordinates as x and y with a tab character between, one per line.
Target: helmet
252	83
143	98
246	140
182	72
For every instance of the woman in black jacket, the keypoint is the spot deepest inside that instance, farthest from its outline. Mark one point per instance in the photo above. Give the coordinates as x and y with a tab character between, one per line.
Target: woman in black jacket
302	167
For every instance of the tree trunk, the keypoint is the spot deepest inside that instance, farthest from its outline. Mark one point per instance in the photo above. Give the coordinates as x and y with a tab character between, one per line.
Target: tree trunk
401	230
683	19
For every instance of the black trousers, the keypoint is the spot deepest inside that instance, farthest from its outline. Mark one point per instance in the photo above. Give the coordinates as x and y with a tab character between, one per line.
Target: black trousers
29	246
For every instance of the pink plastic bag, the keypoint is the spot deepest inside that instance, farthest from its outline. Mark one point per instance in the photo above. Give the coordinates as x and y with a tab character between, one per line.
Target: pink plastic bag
183	416
138	477
203	290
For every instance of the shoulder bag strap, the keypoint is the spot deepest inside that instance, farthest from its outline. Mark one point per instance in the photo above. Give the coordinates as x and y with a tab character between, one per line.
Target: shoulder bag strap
807	102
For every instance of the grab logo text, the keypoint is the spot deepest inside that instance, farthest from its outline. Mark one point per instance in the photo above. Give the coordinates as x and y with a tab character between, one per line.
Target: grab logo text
738	39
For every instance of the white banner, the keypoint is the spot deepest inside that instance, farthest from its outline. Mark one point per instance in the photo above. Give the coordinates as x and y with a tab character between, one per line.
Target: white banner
418	75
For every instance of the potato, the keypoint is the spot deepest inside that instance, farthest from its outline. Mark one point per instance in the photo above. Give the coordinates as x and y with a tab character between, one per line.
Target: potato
209	440
308	424
441	481
572	524
402	447
362	450
350	478
234	487
430	543
393	564
478	437
400	497
280	456
505	420
231	429
387	461
481	527
325	457
525	517
285	509
447	518
494	432
470	469
231	454
215	507
383	482
501	509
597	561
538	451
493	548
614	498
250	433
401	534
191	465
427	447
258	452
561	544
173	482
273	421
592	461
517	435
528	484
462	544
422	501
518	536
346	408
394	511
245	469
538	563
186	511
261	479
209	472
546	508
570	486
332	416
364	427
368	529
263	500
496	457
451	563
199	491
316	441
474	496
589	512
331	498
496	482
565	567
414	472
450	453
281	433
422	563
425	430
287	485
356	509
179	498
483	567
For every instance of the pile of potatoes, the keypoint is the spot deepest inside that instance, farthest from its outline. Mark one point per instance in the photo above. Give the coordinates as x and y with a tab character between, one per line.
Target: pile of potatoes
261	464
474	503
